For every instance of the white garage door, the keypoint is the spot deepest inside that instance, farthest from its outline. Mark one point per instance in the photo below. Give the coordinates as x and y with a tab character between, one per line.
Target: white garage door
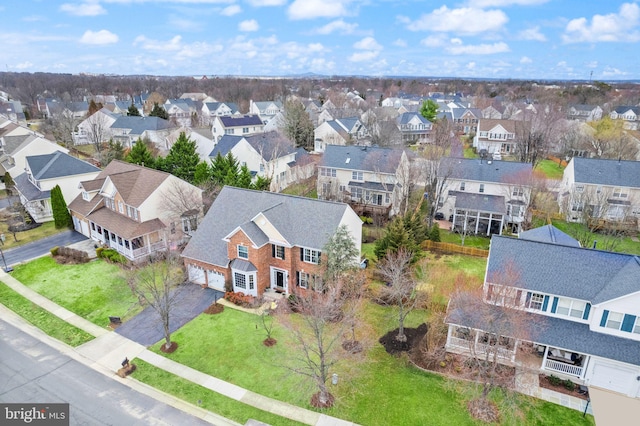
607	376
216	280
85	228
196	275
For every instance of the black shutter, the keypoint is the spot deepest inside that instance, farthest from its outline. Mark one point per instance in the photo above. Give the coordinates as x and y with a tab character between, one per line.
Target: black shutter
301	254
297	279
283	255
319	257
273	250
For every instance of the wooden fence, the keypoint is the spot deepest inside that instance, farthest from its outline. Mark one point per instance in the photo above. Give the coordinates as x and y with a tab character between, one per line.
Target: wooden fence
454	248
557	160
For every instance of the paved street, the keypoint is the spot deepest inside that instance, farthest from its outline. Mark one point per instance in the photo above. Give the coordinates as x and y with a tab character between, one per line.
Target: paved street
31	371
40	247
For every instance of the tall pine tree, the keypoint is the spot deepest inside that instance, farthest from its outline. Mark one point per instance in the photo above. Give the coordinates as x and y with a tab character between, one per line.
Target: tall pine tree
140	155
61	216
182	159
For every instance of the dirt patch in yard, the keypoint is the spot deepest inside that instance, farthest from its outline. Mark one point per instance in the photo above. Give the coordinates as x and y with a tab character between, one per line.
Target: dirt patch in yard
395	346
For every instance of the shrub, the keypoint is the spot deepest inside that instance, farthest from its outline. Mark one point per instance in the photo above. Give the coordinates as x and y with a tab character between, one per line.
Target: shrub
434	233
569	385
366	220
113	256
555	380
99	251
54	251
240	299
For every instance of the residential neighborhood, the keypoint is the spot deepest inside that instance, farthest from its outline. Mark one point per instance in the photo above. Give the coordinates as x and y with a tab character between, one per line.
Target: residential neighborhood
477	241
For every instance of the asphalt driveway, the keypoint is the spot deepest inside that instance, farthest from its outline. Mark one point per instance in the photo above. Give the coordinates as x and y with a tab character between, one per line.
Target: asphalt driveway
41	247
146	327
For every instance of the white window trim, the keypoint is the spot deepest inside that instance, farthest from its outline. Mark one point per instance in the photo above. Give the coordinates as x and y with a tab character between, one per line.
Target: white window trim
238	251
609	319
309	255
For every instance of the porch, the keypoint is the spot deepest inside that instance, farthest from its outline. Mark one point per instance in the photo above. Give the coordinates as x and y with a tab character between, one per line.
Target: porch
478	213
132	248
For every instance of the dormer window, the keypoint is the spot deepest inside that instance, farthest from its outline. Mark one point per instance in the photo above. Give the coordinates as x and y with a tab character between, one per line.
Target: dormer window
85	195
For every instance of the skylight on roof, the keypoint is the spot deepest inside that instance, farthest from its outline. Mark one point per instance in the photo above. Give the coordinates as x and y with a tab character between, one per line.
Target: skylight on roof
347	160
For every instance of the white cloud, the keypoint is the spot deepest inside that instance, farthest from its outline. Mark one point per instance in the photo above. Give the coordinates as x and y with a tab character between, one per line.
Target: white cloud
466	20
526	60
478	49
34	18
400	43
503	3
366	55
471	65
261	3
592	64
437	40
99	37
234	9
338	26
158	45
367	43
184	24
83	9
620	27
613	72
23	65
311	9
248	25
532	34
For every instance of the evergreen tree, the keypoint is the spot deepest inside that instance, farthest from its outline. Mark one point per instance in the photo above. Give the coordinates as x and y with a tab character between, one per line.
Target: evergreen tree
396	237
61	216
429	110
434	234
115	151
133	111
219	167
261	184
244	178
202	173
182	159
341	252
158	111
140	154
9	184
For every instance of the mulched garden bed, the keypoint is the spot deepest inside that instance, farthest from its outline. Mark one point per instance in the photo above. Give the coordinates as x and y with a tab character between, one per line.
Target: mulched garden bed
545	383
170	349
395	347
215	308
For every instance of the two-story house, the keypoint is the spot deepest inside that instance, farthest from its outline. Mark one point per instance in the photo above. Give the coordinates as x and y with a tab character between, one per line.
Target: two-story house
211	110
414	128
341	131
127	130
498	136
578	310
95	128
630	115
601	189
465	120
136	210
242	125
18	144
267	110
183	112
583	112
484	196
257	241
373	180
269	155
42	173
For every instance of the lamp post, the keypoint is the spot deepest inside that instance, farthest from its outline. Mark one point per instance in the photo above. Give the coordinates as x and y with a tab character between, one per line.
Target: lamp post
7	269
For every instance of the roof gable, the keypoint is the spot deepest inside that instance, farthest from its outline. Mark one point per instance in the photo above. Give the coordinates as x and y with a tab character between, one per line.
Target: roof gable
373	159
57	164
606	172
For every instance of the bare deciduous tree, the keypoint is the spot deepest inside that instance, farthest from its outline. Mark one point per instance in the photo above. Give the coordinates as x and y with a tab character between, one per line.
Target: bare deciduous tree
157	283
400	289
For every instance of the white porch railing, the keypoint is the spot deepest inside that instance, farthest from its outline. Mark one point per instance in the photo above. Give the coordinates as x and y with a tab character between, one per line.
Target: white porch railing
563	367
481	348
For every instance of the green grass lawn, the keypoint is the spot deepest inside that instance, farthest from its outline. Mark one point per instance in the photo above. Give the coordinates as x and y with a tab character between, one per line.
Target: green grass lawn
94	290
307	189
468	152
42	231
43	319
209	400
380	390
551	169
477	241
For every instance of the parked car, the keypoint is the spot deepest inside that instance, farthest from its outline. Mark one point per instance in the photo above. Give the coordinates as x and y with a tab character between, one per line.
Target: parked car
497	156
439	216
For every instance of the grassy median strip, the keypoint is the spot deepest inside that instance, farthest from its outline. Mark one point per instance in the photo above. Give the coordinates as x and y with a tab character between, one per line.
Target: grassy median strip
203	397
43	319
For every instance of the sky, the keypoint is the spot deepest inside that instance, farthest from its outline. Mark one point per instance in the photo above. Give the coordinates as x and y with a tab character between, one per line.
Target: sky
506	39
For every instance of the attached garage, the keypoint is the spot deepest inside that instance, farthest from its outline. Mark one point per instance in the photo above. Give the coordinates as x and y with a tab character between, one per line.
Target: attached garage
612	377
196	275
216	280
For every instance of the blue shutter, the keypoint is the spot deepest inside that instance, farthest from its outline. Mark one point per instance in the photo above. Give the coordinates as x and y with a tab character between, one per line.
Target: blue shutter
554	305
627	322
603	321
545	304
586	311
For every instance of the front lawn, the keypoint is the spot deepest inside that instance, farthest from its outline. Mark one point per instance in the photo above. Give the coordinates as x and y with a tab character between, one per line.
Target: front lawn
43	319
379	390
45	230
94	290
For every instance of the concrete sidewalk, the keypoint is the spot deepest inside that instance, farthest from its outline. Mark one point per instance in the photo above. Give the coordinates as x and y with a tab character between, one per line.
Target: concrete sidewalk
108	349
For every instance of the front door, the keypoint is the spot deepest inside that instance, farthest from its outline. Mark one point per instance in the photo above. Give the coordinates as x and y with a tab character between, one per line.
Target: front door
279	280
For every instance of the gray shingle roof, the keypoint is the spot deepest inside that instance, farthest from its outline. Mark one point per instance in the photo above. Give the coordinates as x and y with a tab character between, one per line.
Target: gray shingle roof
474	169
581	273
561	333
373	159
57	164
224	145
480	202
292	216
139	125
549	234
406	117
606	172
29	190
271	143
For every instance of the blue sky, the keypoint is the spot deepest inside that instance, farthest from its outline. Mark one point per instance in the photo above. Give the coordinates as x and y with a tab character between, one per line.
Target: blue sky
528	39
